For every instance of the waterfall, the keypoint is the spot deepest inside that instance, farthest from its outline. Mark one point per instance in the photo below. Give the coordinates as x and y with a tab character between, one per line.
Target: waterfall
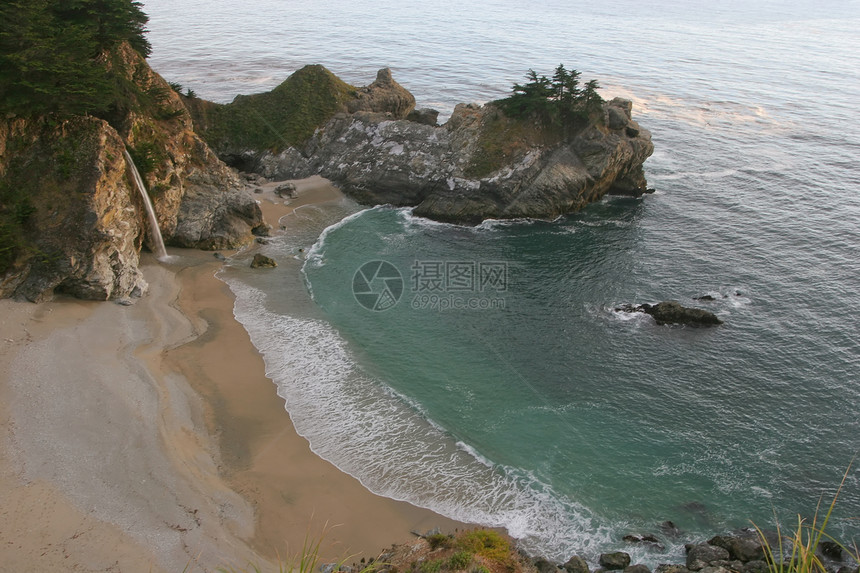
157	240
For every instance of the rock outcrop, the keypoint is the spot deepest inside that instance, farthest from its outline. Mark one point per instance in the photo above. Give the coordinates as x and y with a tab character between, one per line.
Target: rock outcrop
672	312
481	164
80	222
383	96
261	261
257	126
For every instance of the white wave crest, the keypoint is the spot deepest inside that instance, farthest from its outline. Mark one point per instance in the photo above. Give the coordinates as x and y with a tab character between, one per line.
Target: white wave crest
315	253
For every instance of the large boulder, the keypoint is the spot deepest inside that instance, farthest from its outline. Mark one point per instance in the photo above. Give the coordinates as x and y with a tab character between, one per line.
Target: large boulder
617	560
576	564
703	554
745	547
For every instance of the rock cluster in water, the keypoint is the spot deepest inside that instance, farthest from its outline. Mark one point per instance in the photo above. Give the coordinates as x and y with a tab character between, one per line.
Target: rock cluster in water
480	164
740	552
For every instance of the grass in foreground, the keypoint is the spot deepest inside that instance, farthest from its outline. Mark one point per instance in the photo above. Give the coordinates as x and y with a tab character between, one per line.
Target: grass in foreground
798	551
472	551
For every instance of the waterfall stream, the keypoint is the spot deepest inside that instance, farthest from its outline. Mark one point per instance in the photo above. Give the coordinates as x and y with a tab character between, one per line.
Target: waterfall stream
157	240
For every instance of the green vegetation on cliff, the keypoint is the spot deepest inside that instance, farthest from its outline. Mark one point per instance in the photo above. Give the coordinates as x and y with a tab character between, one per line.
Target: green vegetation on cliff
15	211
53	55
503	138
560	100
286	116
44	176
540	112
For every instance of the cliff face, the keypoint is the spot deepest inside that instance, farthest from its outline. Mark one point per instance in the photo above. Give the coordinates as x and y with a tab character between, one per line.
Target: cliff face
199	201
480	164
79	222
83	233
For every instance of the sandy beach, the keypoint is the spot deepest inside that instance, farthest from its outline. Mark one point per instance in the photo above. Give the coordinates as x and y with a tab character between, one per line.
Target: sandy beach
148	438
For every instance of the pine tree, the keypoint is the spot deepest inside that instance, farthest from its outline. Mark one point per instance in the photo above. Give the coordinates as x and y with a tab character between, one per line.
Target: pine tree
49	50
590	98
531	98
558	101
567	93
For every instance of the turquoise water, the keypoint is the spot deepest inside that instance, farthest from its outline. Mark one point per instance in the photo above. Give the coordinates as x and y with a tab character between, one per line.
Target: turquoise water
541	409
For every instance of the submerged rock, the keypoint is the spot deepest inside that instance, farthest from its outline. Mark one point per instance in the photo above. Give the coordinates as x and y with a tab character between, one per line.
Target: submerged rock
669	529
648	540
671	312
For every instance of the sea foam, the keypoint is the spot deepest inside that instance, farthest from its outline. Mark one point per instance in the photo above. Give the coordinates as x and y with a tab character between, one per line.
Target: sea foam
368	431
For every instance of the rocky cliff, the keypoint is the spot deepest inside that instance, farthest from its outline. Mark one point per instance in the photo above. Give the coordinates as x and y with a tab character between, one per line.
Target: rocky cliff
82	233
482	164
264	132
78	223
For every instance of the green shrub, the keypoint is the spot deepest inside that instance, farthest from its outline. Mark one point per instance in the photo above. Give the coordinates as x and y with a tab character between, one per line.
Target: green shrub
487	543
286	116
459	560
51	54
560	100
147	155
440	540
433	566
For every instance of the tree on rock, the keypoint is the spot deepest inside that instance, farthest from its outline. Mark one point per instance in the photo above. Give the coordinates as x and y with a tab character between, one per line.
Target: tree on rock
558	100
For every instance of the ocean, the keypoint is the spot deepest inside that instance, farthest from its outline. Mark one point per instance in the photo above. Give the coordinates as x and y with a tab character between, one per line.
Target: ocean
495	382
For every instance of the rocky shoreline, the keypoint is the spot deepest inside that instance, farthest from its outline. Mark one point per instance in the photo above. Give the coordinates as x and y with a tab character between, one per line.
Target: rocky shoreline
739	552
